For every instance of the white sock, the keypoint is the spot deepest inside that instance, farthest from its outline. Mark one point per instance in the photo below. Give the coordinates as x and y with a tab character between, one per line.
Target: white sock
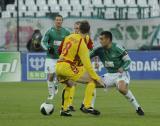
51	88
55	82
94	99
132	99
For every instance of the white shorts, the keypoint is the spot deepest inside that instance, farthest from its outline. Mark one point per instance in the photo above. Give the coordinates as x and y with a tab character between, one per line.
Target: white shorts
112	79
50	65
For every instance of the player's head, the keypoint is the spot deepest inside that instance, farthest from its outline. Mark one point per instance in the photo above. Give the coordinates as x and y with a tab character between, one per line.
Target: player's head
76	26
58	21
105	38
84	27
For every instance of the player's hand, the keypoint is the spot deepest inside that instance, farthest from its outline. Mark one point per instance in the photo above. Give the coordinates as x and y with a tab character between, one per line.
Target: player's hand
51	50
101	82
120	70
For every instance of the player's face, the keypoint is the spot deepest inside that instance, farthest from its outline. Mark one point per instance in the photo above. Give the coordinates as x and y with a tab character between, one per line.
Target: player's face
104	40
76	28
58	21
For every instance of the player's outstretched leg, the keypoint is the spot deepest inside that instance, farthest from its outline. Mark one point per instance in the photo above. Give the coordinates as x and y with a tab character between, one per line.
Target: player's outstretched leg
134	102
123	89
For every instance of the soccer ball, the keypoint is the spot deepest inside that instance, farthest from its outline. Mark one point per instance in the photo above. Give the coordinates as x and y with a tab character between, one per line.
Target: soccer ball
46	108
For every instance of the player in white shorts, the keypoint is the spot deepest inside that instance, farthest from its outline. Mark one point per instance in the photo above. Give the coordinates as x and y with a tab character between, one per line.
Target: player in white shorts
116	61
112	79
51	42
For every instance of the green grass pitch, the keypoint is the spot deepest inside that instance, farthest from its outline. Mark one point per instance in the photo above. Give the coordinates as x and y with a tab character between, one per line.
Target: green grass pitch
20	102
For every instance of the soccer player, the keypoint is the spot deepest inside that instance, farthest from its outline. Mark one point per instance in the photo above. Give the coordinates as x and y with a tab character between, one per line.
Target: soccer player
87	39
117	61
50	42
68	70
89	43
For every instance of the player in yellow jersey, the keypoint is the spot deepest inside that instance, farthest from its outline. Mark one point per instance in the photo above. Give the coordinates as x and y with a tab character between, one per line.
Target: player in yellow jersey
87	39
89	43
68	71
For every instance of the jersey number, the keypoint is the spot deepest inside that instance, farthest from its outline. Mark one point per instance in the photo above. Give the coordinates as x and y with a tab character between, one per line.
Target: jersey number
66	48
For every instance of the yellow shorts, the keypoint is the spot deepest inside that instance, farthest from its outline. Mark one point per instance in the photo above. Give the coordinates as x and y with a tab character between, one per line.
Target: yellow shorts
65	71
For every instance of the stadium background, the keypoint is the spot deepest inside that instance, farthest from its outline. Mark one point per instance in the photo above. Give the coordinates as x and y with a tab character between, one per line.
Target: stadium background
135	24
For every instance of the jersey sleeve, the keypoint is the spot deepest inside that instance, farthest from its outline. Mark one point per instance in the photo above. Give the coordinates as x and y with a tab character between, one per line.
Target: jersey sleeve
125	57
127	61
120	49
84	56
45	39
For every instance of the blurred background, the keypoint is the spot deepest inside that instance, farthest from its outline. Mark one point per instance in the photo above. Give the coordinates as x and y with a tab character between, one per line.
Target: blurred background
135	24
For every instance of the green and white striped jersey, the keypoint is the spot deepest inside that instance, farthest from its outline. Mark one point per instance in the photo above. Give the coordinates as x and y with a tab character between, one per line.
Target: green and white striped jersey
113	58
53	38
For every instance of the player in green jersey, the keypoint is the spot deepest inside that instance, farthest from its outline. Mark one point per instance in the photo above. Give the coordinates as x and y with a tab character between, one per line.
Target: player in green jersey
50	42
116	61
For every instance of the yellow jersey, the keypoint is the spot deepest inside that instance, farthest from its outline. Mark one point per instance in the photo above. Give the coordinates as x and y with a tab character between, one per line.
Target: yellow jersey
74	49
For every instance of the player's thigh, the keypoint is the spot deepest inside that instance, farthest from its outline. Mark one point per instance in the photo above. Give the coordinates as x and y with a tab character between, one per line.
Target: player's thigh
123	79
50	65
63	71
109	79
84	78
81	76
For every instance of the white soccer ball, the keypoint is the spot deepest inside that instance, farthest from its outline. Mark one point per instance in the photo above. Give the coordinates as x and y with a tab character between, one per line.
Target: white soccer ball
46	108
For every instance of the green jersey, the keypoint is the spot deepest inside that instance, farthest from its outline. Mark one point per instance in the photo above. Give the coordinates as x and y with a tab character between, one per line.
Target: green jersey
113	58
53	38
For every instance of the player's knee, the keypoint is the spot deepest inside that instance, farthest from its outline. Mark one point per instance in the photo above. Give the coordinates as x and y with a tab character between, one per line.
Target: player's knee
123	91
122	87
70	83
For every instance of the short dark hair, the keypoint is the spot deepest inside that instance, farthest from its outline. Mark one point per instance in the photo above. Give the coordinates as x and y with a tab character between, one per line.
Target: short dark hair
107	34
84	27
58	15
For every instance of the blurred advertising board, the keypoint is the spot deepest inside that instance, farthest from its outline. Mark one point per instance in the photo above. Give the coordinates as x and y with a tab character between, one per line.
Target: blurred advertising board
33	66
10	67
145	66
